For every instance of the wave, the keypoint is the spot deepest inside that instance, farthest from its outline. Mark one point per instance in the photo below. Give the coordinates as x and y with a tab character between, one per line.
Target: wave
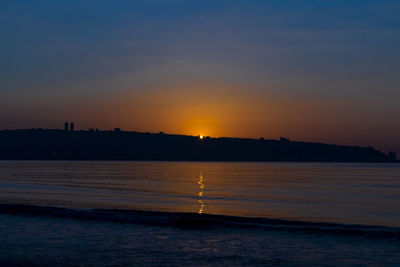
195	221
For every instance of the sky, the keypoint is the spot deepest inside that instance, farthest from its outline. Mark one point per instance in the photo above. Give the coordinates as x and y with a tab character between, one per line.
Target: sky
310	70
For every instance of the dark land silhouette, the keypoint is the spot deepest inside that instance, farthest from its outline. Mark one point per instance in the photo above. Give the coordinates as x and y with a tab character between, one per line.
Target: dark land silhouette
67	144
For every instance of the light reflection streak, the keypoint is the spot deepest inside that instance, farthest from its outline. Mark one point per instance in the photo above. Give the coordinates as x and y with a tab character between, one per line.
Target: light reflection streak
201	193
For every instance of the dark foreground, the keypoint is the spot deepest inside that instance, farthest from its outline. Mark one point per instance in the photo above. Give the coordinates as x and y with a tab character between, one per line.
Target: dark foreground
117	145
82	213
37	236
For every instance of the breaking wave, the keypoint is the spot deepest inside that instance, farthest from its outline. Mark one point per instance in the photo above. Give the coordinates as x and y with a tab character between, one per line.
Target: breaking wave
195	221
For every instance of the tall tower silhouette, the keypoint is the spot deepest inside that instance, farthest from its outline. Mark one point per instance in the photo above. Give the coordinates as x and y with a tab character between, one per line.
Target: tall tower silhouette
71	127
66	126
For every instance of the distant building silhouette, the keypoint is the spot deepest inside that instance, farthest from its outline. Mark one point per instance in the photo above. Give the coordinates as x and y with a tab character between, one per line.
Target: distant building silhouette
117	130
71	127
66	126
284	140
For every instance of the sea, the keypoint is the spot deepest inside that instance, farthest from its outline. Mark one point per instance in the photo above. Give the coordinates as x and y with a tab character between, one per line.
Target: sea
127	213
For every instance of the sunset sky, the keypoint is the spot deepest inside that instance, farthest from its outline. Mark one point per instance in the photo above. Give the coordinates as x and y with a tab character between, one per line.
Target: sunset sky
324	71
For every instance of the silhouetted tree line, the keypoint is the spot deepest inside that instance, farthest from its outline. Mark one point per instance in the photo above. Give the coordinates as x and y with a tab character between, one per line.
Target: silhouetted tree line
39	144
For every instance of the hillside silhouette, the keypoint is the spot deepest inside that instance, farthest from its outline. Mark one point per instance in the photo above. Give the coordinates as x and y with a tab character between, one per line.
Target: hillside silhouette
41	144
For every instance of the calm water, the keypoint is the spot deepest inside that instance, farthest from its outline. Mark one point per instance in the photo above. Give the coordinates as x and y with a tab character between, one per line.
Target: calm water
328	192
313	193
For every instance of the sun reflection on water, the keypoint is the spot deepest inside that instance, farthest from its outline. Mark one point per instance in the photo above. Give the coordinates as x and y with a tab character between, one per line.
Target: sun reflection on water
201	193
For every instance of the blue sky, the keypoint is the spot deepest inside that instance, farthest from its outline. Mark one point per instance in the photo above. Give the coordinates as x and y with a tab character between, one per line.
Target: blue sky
344	53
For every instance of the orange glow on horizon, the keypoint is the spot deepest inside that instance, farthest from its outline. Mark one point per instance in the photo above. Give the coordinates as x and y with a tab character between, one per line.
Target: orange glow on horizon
221	110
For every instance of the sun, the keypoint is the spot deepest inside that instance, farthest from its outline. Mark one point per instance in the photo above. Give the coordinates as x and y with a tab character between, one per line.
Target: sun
201	136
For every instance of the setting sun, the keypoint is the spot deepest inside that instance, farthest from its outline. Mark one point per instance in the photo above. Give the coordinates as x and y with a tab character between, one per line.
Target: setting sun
201	137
